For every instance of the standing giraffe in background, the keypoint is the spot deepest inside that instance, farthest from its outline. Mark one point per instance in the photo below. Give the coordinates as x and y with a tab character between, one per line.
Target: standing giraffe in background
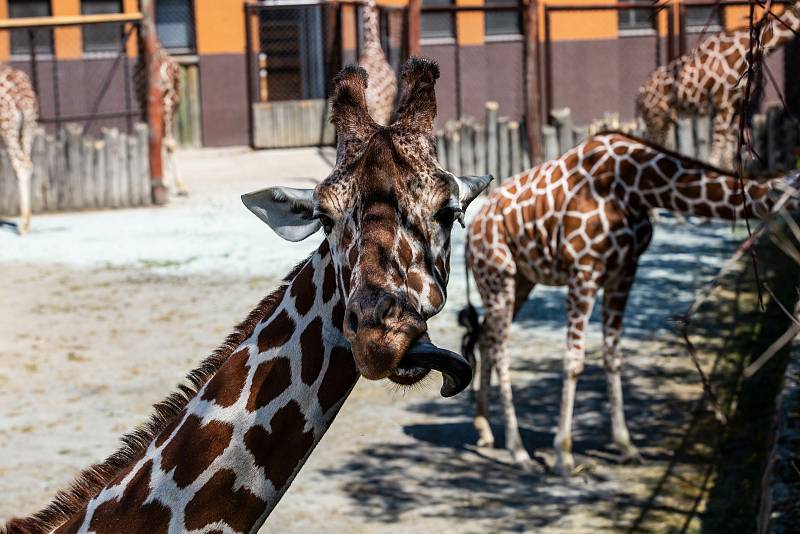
19	111
219	454
169	79
582	221
383	82
709	80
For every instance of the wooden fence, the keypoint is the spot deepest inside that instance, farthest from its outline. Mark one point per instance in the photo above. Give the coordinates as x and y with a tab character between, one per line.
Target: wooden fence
188	128
73	171
499	145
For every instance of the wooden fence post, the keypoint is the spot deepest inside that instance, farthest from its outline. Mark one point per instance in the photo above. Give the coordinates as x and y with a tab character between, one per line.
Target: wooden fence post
453	136
563	120
686	137
702	135
514	148
467	146
533	102
550	142
441	148
480	150
39	182
504	150
491	142
74	197
413	36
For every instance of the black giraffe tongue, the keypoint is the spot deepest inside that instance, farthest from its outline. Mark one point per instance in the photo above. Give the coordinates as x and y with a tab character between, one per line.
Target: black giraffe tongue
456	371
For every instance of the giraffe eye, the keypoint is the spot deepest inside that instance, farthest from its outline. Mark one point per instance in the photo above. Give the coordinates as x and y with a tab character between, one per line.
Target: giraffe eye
326	222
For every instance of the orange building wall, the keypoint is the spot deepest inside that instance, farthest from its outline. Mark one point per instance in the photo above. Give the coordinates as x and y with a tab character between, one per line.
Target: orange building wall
220	26
5	41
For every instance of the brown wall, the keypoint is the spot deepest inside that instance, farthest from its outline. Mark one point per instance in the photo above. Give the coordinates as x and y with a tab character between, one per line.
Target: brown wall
223	83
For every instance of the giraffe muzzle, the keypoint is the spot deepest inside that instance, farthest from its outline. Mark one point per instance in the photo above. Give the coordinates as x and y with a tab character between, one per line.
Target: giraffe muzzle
456	370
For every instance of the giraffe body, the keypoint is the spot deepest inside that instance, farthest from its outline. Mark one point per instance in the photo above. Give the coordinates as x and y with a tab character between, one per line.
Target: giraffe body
709	81
382	88
169	79
220	453
582	221
19	111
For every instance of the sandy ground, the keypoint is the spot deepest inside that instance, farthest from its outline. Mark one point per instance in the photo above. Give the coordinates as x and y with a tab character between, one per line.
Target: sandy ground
103	313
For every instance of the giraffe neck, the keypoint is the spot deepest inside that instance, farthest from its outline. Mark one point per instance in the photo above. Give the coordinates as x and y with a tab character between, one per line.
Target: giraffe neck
778	33
370	17
229	454
673	182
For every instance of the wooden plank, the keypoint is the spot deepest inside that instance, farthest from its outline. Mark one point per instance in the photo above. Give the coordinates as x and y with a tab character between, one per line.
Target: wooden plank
51	196
87	173
134	190
9	201
73	198
122	165
39	180
111	137
74	20
467	150
480	150
59	174
549	142
182	125
563	119
579	134
453	136
515	147
525	139
144	172
504	150
492	163
195	112
99	170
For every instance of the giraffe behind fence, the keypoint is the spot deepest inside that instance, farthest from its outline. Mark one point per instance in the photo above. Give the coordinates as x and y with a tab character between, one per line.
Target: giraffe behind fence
582	221
382	88
710	80
19	112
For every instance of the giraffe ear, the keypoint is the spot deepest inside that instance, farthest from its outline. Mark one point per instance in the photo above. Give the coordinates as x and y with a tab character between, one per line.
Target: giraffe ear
288	211
416	109
349	113
469	187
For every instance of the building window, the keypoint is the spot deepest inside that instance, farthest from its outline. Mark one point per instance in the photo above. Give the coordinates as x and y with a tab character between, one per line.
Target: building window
698	17
102	37
636	19
21	39
501	22
437	24
175	23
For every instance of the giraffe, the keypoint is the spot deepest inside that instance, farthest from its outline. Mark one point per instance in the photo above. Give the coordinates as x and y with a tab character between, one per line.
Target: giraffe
383	89
169	79
219	454
19	112
582	221
709	81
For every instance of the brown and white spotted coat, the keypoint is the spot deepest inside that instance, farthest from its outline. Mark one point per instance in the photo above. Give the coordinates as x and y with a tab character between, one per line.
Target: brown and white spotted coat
19	112
382	88
581	221
221	452
709	81
169	80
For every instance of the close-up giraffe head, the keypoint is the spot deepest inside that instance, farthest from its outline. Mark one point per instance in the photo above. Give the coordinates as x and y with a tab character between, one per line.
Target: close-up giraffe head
386	209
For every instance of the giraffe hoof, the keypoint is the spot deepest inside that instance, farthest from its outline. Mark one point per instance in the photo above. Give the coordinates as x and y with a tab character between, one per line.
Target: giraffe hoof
183	193
487	443
631	457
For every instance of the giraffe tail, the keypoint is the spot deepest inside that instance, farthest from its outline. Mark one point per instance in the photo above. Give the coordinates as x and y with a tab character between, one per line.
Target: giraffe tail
469	319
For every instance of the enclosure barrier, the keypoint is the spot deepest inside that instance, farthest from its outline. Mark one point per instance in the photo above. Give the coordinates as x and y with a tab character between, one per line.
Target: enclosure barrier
499	146
74	171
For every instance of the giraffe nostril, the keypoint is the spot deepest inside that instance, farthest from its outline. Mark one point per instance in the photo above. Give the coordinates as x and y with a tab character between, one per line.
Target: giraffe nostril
384	308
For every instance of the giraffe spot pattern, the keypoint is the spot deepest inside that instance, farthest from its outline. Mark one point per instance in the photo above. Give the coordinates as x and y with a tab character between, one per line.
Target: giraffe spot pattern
341	371
313	351
271	379
277	332
217	501
329	283
304	290
130	514
226	386
194	448
280	449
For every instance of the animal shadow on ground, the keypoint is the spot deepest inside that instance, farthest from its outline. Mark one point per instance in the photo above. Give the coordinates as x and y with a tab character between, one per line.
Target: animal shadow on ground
444	475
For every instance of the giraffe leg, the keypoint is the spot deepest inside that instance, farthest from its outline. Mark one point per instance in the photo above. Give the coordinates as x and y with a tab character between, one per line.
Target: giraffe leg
180	186
23	168
580	301
481	421
615	296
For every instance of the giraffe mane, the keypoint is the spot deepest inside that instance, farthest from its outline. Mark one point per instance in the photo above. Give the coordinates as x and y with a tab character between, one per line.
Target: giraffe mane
93	479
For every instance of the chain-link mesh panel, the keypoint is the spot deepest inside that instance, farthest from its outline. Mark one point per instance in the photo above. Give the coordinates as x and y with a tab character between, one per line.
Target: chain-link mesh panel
98	87
176	26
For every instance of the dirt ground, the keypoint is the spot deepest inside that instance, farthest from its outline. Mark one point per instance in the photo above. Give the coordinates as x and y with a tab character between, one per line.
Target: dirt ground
103	313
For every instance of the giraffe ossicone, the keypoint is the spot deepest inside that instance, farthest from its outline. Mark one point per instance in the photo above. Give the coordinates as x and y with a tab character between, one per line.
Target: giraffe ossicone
582	221
218	455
